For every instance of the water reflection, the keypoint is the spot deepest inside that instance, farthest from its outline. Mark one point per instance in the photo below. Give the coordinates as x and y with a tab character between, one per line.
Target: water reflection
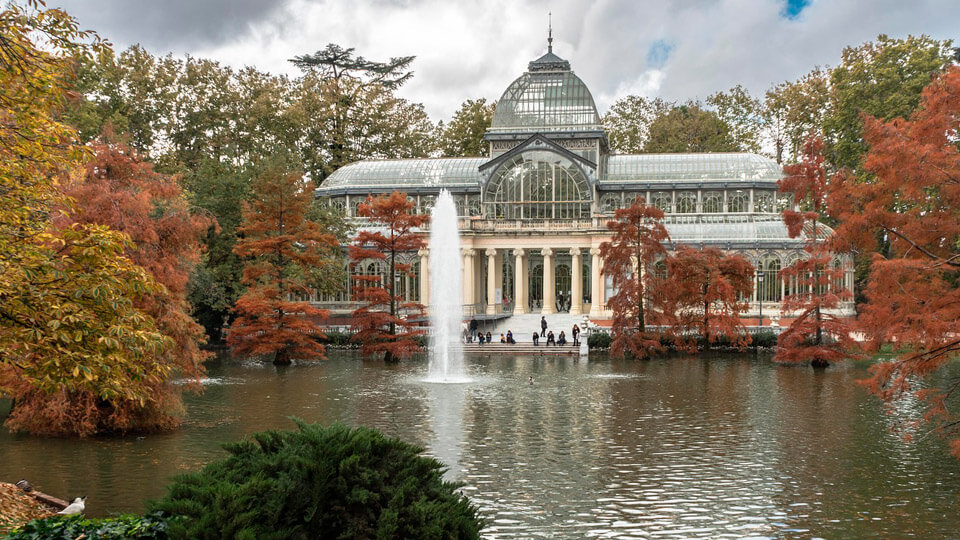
446	404
675	448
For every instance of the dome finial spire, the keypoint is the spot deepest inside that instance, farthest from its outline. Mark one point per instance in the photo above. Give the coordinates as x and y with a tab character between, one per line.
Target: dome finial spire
550	32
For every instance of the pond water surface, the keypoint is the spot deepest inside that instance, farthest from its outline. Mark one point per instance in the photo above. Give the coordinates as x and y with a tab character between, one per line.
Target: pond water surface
717	447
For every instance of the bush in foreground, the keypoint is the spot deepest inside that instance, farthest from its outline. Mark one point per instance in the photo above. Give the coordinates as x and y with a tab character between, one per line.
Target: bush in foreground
125	527
333	482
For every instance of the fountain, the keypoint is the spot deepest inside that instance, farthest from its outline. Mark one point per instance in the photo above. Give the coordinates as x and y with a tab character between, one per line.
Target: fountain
446	312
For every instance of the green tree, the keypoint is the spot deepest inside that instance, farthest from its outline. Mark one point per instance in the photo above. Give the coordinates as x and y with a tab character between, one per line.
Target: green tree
628	122
316	482
882	79
463	136
794	110
344	85
743	113
689	128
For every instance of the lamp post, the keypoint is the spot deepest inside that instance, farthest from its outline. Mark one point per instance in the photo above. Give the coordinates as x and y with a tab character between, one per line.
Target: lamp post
760	294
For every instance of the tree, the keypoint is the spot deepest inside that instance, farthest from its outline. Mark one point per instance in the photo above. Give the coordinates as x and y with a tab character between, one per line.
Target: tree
123	192
743	113
463	136
280	246
815	334
75	353
689	128
342	78
377	323
796	109
703	292
628	122
319	482
638	233
909	216
882	79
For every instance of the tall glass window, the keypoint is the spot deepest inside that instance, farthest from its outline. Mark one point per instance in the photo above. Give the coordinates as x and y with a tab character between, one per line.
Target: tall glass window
609	203
763	201
712	202
538	185
687	202
738	201
663	200
769	287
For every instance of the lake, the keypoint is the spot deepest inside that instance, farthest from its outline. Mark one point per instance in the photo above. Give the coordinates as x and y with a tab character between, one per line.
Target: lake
722	446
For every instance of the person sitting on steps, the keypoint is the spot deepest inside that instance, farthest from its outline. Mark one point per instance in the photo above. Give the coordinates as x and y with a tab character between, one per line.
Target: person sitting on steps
536	339
510	339
550	339
562	340
489	337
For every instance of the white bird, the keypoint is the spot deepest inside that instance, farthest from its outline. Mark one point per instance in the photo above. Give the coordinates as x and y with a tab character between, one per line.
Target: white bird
76	507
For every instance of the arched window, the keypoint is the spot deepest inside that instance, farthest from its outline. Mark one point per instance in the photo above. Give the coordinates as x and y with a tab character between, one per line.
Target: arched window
426	203
461	204
738	201
687	202
712	202
768	288
609	203
538	185
763	201
663	200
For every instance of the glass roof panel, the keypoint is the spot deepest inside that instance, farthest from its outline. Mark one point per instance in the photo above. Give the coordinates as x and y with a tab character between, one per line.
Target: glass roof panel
715	166
713	229
554	100
401	173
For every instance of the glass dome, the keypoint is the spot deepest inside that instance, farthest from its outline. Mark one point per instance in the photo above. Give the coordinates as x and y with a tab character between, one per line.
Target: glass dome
547	97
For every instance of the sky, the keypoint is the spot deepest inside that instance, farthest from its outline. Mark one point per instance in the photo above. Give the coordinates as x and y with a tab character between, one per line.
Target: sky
468	49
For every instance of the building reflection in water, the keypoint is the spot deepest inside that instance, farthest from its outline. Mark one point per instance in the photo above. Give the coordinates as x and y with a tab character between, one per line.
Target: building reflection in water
446	405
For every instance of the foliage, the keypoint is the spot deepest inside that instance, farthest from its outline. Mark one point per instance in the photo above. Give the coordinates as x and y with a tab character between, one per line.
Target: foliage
689	128
279	245
123	192
815	335
702	295
912	206
378	323
463	136
743	113
123	527
352	110
599	340
628	122
794	110
882	79
638	233
76	352
316	482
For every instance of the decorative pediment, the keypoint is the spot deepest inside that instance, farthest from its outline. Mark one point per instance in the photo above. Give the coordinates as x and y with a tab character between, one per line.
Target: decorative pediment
539	142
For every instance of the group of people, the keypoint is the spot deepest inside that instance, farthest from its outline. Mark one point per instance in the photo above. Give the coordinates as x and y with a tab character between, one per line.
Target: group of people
470	333
554	340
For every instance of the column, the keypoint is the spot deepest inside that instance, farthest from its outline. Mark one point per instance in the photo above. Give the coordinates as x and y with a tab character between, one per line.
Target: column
491	281
468	277
596	283
549	289
576	287
424	276
520	282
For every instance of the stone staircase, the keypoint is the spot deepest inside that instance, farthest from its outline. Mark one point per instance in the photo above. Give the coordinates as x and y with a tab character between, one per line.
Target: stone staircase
520	348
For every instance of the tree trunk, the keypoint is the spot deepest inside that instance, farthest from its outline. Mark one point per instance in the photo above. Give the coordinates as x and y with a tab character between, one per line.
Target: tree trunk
282	358
390	358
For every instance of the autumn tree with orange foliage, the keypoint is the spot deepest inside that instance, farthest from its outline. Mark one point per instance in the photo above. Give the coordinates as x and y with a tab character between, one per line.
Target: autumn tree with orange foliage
120	191
909	214
638	236
281	247
816	335
377	324
703	295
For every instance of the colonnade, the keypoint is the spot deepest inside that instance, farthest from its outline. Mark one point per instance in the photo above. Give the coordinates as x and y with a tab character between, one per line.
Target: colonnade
521	281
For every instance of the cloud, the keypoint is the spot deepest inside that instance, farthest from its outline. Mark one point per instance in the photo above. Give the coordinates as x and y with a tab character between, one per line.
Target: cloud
678	50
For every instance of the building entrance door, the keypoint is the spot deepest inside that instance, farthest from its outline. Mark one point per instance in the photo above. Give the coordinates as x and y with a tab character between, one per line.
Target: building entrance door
563	288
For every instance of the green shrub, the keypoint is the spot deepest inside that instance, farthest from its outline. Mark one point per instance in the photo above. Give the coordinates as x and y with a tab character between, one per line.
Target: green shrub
337	339
599	340
317	482
150	527
764	338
